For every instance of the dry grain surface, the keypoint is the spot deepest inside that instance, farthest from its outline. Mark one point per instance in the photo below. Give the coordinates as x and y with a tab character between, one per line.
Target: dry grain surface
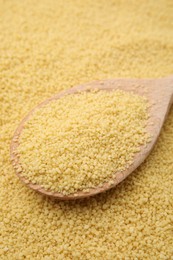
82	140
47	46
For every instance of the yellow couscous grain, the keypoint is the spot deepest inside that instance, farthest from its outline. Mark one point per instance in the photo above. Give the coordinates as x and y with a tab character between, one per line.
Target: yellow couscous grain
82	140
45	47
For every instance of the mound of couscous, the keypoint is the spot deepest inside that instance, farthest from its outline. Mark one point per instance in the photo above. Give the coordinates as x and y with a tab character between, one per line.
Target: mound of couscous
82	140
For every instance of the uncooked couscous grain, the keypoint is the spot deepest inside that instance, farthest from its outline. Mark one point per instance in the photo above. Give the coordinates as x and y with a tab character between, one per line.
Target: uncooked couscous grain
47	46
82	140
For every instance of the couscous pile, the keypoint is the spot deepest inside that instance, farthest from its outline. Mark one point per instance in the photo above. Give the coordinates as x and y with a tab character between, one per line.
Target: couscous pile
45	47
82	140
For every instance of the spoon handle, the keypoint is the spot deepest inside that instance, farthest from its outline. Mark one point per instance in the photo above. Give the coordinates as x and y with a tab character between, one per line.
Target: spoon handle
162	90
169	84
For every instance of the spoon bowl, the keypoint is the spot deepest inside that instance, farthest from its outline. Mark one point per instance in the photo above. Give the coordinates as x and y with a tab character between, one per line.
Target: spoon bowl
159	93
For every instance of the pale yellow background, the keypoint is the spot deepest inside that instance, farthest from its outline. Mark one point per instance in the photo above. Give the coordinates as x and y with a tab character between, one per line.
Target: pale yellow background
48	46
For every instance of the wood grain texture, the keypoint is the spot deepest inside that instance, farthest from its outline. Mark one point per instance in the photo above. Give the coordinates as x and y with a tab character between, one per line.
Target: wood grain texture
159	93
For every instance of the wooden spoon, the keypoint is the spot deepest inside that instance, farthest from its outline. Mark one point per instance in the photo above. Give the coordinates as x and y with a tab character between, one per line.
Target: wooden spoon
159	93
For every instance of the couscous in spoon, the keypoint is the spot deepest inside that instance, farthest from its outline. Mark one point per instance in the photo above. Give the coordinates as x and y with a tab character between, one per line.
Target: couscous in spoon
159	93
